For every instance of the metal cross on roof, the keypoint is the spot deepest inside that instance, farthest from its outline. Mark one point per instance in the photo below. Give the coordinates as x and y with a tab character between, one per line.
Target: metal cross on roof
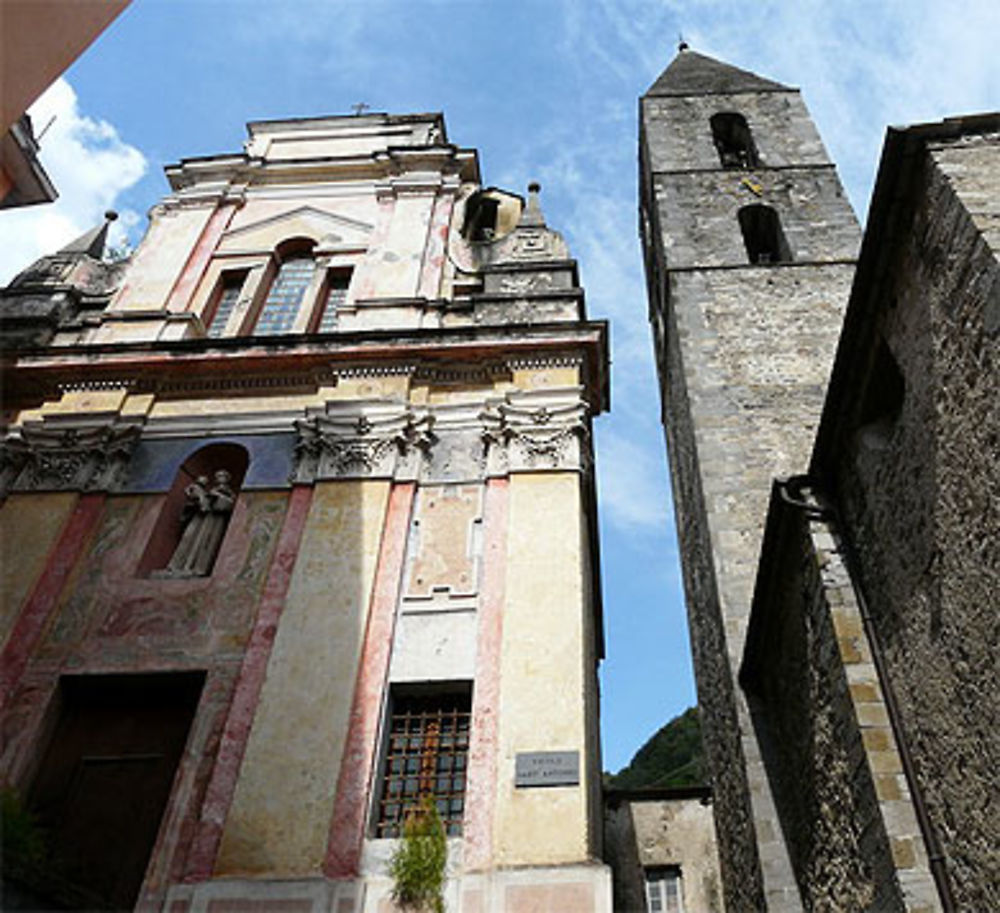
360	108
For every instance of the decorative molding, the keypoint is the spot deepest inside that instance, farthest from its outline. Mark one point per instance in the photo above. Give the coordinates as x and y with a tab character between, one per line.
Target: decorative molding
306	381
546	361
526	283
523	431
126	385
60	456
483	373
320	215
352	440
374	370
532	432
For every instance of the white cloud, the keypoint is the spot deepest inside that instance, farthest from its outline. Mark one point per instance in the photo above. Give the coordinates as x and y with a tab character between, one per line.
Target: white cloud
631	481
90	166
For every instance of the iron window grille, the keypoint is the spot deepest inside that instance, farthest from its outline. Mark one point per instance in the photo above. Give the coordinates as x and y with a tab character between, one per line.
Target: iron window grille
426	756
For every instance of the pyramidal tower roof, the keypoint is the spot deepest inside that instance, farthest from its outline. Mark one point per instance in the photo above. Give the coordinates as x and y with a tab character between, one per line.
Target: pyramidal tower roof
691	73
92	242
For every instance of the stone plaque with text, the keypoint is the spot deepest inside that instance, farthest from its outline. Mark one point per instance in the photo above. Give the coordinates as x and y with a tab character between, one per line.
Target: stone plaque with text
547	768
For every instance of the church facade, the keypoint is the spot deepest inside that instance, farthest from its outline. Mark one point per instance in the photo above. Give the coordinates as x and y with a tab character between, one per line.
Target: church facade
832	425
299	530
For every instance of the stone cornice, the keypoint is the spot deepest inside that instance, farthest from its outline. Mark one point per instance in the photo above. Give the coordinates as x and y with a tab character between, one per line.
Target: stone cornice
210	365
202	180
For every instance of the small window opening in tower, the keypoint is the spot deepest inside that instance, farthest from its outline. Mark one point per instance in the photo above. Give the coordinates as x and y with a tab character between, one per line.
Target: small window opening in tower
481	218
765	241
733	140
882	401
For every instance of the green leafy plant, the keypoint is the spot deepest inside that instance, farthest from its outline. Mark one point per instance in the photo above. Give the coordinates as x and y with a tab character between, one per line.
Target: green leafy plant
24	852
417	866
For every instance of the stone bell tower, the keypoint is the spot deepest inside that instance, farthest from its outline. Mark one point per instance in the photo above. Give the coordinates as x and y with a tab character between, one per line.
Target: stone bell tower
749	246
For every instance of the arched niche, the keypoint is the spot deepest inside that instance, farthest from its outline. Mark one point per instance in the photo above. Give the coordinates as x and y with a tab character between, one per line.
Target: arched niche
180	510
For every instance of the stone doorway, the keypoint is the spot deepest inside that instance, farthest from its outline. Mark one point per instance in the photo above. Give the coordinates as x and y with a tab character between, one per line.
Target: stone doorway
104	781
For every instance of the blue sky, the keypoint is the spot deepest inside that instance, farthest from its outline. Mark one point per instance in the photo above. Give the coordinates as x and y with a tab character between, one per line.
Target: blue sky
546	90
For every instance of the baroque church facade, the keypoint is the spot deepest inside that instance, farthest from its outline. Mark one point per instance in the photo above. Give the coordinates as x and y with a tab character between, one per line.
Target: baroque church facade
299	528
830	409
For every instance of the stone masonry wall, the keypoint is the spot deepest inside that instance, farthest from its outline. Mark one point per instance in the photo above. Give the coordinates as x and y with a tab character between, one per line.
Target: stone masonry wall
808	726
680	138
920	495
738	857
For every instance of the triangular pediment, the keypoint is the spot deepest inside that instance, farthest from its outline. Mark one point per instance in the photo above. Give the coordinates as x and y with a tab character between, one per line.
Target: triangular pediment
329	230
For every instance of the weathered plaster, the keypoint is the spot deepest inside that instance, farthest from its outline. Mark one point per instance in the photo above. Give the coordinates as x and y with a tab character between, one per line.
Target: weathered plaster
232	746
197	261
642	833
481	792
542	654
29	529
299	728
28	630
347	827
159	259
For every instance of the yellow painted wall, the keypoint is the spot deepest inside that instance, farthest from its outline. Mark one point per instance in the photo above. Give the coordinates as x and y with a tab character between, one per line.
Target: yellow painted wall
542	681
30	523
279	820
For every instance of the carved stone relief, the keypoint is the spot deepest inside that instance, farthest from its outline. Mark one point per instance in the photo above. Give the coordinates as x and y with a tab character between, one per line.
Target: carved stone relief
527	434
362	443
64	458
456	442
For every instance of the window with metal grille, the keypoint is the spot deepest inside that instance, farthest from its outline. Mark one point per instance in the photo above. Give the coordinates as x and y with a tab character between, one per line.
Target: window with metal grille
336	294
285	295
663	890
426	754
229	294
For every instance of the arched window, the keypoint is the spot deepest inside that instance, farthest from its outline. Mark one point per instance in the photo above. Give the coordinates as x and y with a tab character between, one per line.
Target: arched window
195	515
287	291
733	140
480	217
765	241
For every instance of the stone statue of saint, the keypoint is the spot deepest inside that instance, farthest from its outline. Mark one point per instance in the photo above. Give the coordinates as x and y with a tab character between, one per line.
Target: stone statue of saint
204	519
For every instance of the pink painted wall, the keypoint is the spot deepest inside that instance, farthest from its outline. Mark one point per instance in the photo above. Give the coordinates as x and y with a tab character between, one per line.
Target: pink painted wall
481	788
